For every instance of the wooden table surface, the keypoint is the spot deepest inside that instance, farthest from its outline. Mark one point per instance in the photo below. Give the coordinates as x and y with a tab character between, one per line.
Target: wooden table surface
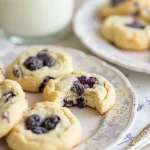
72	41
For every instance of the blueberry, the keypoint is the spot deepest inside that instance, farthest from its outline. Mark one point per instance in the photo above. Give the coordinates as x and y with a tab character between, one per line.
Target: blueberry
34	121
39	130
17	72
117	2
92	81
68	103
46	79
80	102
86	86
77	88
38	125
9	96
135	24
33	63
48	61
83	83
42	55
51	122
83	79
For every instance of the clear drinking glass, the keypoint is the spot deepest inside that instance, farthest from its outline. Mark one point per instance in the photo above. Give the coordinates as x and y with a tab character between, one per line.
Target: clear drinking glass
35	21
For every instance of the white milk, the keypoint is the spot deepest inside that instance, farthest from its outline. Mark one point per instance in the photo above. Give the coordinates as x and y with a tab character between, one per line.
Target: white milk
33	18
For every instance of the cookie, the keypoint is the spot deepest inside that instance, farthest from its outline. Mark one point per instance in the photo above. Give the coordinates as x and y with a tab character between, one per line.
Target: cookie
123	7
46	127
145	14
126	32
81	89
12	105
2	72
34	68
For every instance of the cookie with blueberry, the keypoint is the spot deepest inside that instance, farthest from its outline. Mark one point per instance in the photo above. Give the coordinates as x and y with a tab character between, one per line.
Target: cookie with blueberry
2	72
46	127
34	68
123	7
81	89
12	105
145	14
127	32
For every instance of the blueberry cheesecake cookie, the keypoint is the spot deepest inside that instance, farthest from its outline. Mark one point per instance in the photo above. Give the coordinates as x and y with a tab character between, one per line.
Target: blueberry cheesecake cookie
34	68
12	105
2	72
122	7
127	32
145	14
46	127
81	89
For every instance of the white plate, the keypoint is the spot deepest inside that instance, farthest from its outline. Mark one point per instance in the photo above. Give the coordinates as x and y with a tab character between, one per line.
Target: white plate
99	132
87	27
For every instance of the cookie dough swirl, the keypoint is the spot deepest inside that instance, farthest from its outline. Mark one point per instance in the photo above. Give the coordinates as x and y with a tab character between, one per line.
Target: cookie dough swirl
123	7
12	105
46	127
126	32
35	67
81	89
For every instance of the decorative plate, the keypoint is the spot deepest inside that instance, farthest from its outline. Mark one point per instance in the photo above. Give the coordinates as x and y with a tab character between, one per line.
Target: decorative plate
99	132
87	25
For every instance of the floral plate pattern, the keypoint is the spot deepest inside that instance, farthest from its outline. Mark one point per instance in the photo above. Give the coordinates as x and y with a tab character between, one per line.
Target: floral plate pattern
87	25
102	132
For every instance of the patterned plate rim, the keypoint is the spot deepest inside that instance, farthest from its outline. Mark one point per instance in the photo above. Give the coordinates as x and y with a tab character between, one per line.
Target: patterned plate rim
139	67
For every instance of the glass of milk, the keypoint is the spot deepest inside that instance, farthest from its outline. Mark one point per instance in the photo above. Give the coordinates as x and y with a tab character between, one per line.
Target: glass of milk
35	21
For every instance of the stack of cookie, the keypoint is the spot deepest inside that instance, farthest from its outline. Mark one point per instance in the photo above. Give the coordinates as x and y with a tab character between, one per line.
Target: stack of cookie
126	24
48	125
